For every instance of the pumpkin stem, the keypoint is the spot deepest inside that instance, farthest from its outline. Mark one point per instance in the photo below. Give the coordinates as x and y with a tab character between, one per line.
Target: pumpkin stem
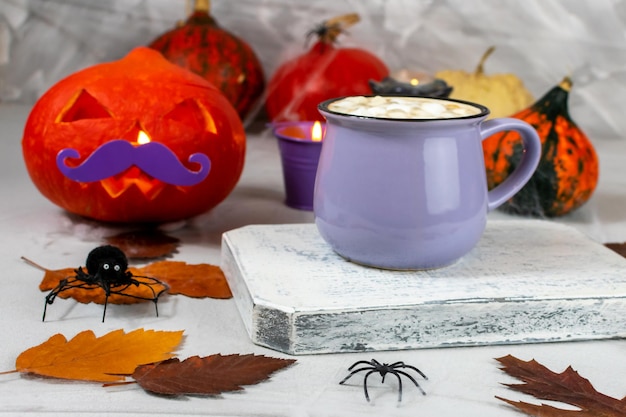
200	15
566	84
202	6
328	30
481	63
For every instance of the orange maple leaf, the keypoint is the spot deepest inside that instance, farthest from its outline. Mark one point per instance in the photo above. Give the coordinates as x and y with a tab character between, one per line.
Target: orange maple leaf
96	294
567	387
100	359
200	280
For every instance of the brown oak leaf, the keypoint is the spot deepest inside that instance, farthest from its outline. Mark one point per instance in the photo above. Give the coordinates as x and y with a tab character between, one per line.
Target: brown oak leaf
106	358
567	387
210	375
192	280
144	244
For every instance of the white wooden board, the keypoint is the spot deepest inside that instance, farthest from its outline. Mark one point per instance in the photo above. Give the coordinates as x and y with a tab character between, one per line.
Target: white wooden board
527	281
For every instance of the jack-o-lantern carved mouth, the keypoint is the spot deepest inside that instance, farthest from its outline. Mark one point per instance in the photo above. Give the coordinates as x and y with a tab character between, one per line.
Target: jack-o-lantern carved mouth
116	157
133	177
120	163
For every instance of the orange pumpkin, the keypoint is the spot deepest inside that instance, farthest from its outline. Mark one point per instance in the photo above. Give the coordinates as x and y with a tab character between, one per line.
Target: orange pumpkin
567	174
179	112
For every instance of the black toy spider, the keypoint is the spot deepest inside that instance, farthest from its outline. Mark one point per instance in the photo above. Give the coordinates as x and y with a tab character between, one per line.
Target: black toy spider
107	268
383	369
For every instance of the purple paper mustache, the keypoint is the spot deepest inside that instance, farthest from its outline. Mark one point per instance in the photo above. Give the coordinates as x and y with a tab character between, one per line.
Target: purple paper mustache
116	156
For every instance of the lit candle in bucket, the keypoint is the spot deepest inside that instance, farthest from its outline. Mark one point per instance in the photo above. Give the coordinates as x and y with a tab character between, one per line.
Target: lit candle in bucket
300	144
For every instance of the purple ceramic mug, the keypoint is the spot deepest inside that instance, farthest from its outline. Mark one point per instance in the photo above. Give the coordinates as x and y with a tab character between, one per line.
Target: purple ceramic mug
411	193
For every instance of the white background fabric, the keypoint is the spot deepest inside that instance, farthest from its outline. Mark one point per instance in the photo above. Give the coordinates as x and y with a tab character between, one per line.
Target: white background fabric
540	41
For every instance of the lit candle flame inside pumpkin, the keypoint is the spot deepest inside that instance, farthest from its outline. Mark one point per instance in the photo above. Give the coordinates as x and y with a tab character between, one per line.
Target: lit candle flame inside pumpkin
414	81
142	138
316	132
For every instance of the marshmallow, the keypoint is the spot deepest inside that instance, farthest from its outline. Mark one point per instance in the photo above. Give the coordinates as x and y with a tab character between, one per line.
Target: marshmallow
392	107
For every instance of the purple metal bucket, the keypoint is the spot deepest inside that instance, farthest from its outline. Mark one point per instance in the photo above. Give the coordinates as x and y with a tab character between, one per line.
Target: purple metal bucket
299	158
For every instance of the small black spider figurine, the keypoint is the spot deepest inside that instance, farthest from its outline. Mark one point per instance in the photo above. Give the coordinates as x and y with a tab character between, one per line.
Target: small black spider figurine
107	268
383	369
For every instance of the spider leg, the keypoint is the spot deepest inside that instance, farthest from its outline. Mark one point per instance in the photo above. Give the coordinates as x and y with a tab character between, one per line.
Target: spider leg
107	291
367	368
155	296
55	291
51	296
45	307
119	288
411	378
104	311
367	395
149	285
359	363
415	369
63	285
396	373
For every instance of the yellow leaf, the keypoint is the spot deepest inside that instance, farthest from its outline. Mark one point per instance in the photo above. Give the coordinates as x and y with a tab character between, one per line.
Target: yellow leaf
108	358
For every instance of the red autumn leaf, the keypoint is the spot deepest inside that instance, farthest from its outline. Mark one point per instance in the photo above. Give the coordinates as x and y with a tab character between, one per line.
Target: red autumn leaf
210	375
199	280
567	387
99	359
144	244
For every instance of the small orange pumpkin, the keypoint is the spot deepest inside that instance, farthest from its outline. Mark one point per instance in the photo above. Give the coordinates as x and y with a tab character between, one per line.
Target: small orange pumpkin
114	102
567	174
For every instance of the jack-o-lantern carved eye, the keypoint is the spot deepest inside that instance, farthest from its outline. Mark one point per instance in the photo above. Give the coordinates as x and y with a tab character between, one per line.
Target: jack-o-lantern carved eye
192	114
83	106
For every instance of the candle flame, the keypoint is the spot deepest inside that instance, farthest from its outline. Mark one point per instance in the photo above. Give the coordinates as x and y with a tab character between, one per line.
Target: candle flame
316	132
414	81
142	138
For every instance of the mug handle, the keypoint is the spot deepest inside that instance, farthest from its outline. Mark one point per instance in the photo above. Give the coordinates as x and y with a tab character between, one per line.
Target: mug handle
527	166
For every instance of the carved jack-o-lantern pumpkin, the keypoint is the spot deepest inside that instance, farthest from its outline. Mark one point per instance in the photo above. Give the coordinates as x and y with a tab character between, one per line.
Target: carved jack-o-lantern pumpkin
135	140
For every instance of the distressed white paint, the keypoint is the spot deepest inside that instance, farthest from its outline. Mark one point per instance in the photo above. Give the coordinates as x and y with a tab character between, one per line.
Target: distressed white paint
527	281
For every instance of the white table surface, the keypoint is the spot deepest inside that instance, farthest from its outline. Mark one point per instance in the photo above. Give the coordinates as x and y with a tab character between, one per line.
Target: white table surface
463	381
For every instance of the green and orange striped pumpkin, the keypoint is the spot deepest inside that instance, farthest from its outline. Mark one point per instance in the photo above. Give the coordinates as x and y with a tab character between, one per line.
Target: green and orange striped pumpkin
568	171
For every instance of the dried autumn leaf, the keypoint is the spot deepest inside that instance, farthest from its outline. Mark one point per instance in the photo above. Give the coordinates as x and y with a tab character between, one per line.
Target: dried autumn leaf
144	244
208	375
97	295
568	387
100	359
620	248
199	280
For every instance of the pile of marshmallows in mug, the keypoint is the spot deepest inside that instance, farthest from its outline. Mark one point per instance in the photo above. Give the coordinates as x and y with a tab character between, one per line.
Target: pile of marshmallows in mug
402	107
